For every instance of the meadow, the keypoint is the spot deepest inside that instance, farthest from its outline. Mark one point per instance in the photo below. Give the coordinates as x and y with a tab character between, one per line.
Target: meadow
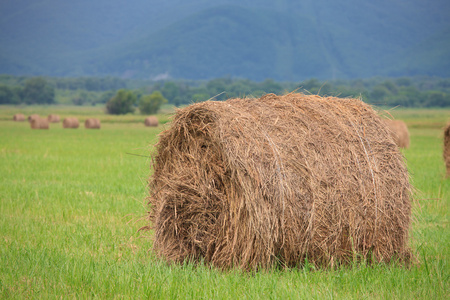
72	202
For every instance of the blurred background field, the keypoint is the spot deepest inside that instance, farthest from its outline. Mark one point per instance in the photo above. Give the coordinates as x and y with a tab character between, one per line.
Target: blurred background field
72	201
81	112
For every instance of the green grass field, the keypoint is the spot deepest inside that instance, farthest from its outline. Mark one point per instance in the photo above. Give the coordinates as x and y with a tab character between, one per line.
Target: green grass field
72	202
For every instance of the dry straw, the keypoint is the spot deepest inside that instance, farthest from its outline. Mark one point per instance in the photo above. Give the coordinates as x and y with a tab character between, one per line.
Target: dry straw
92	123
399	132
447	148
253	183
151	121
19	117
39	123
33	117
71	123
53	118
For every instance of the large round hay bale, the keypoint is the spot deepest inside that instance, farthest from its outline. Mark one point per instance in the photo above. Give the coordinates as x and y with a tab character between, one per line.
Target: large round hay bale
399	132
53	118
92	123
71	123
19	117
32	117
39	123
256	182
447	148
151	121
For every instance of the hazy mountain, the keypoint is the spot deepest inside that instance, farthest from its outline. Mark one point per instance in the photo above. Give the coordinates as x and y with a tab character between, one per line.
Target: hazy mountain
200	39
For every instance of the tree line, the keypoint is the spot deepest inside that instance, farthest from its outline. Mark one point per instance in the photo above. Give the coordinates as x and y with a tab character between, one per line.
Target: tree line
403	92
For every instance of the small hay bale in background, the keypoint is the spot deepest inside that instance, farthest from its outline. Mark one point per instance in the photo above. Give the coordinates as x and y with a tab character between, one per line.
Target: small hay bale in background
151	121
19	117
92	123
447	148
71	123
32	117
53	118
399	132
39	123
253	183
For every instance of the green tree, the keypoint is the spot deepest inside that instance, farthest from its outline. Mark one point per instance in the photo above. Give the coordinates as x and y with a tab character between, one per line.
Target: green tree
171	91
81	98
379	94
122	103
311	85
8	95
217	88
150	104
270	86
199	97
105	97
437	99
38	91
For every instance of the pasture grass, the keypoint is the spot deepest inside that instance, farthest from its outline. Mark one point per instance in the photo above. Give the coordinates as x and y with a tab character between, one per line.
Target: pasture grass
72	202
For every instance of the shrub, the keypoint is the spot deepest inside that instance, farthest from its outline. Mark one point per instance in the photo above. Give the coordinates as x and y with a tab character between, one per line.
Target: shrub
122	103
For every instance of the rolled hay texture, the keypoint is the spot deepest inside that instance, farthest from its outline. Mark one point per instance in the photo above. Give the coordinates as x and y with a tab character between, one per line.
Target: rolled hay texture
39	123
447	148
92	123
253	183
399	132
53	118
151	121
32	117
71	123
19	117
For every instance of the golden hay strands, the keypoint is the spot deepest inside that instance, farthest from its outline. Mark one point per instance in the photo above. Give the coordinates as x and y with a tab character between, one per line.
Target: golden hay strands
151	121
254	183
19	117
71	123
399	132
39	123
446	153
53	118
92	123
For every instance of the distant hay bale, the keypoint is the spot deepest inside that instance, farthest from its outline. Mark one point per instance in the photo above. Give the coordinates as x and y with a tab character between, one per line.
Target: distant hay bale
71	123
53	118
39	123
19	117
447	148
399	132
151	121
92	123
32	117
253	183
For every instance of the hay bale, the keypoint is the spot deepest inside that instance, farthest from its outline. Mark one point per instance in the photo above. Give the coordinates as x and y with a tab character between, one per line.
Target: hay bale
254	183
447	148
151	121
71	123
399	132
19	117
53	118
39	123
92	123
32	117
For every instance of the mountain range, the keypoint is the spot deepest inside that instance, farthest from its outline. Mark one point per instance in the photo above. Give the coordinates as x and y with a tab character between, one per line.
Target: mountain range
284	40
